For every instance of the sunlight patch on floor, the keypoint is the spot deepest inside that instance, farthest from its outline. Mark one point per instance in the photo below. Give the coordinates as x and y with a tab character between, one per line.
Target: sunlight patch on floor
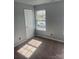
35	43
28	49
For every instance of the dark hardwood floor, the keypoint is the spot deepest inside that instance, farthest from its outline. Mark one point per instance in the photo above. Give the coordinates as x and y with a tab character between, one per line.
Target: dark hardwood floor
48	49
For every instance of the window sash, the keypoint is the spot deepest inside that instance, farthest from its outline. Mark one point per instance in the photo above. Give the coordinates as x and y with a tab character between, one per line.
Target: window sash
41	20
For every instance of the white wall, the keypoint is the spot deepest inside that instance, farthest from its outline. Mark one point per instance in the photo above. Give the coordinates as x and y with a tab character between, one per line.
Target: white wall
54	21
19	22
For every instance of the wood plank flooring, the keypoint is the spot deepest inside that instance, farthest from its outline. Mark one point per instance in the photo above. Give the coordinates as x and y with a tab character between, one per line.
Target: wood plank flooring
46	49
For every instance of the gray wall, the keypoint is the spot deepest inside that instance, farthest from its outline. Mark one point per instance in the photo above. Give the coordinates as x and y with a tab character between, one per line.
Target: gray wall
54	21
19	22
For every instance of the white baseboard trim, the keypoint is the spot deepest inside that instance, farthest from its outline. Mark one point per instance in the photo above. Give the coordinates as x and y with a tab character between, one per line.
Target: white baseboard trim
50	38
20	42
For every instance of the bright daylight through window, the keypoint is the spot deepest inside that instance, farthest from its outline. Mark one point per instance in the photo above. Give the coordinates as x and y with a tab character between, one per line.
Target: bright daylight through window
41	20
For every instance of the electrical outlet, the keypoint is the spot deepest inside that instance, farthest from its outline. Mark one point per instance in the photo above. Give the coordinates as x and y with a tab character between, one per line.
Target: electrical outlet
51	34
19	38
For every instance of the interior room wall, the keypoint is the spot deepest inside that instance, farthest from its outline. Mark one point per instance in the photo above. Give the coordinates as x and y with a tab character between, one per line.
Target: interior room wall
19	22
54	20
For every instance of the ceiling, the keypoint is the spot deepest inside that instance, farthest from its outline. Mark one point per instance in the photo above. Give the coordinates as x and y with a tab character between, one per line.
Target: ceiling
36	2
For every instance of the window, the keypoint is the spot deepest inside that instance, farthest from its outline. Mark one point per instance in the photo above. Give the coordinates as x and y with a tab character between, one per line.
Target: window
41	20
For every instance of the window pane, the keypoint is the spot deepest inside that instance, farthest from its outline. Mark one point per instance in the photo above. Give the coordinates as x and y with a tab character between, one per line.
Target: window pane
41	25
41	20
40	15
